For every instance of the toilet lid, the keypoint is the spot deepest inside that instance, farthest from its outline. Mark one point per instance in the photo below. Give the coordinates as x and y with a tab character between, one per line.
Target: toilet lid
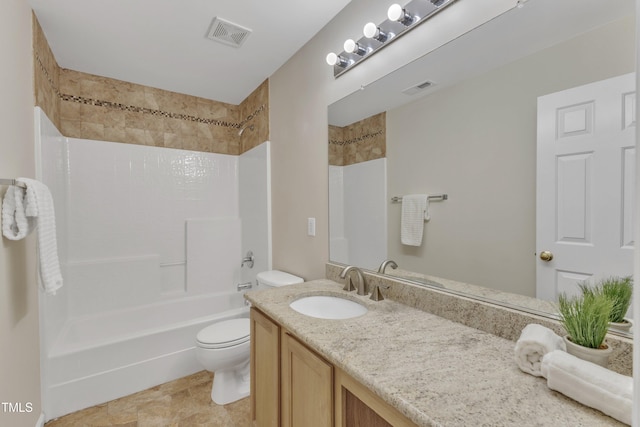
225	334
277	278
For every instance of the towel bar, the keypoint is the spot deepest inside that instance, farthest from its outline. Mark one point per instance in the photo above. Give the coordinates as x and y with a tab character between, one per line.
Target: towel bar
435	197
12	182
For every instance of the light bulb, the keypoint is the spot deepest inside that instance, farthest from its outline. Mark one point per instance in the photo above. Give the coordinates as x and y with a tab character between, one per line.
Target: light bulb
371	31
350	46
397	13
333	59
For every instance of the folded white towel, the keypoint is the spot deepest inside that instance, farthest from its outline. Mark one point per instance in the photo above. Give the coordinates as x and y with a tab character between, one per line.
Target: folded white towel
39	205
15	224
535	341
590	384
415	208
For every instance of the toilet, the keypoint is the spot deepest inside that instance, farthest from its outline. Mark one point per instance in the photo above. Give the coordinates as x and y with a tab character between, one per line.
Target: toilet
224	347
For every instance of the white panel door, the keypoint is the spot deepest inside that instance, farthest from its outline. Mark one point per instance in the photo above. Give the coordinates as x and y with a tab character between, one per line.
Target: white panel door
585	184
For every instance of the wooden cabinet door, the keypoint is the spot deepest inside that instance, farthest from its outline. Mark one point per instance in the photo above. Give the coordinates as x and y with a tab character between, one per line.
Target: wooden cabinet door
356	406
307	386
265	370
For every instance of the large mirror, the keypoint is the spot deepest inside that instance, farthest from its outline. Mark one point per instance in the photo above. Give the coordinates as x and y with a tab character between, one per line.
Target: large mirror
464	121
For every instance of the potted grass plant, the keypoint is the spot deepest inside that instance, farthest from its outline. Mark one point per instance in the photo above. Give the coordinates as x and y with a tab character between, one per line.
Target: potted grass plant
619	290
585	317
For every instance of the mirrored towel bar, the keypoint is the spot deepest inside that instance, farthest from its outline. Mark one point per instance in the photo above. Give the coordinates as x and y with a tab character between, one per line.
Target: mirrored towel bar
435	197
11	182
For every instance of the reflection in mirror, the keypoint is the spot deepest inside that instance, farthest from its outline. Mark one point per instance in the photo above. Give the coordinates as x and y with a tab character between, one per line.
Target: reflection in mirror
464	120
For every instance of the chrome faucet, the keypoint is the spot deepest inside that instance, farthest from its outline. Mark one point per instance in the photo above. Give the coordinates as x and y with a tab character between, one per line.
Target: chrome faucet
384	265
361	285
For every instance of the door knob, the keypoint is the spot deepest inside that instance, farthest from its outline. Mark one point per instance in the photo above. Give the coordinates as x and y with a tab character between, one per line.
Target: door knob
546	256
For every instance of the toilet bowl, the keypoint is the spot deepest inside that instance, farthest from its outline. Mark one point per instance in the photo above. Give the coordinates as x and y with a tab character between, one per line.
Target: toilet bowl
223	348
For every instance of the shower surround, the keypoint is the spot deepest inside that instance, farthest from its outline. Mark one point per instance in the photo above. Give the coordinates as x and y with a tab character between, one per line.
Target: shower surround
150	243
151	230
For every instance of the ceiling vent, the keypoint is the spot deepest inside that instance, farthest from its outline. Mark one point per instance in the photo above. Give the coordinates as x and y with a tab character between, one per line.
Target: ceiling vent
227	32
418	88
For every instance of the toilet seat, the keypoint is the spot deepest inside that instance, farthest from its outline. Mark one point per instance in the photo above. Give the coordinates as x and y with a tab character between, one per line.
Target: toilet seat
225	334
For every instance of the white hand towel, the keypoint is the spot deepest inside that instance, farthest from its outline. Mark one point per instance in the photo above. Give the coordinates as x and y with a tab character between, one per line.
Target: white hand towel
39	205
415	209
590	384
15	224
535	341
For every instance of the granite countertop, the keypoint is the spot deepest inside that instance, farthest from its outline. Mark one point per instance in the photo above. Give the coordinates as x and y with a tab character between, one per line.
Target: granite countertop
434	371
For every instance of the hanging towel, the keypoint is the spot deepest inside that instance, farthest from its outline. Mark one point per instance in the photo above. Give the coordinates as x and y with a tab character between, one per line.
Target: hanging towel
415	208
15	224
38	204
590	384
535	341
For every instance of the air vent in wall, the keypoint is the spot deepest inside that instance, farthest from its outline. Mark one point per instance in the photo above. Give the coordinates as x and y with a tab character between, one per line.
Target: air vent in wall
227	32
418	88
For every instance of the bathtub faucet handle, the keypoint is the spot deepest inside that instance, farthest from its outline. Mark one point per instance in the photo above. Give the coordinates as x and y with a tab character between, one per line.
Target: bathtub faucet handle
248	259
244	286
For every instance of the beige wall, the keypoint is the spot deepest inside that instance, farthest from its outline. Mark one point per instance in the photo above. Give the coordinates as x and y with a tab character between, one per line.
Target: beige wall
299	94
19	349
476	141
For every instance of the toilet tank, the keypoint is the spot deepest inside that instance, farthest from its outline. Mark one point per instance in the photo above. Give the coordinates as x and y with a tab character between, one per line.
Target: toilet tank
276	278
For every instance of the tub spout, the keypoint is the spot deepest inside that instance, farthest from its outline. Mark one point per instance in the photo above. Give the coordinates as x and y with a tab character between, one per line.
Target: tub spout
244	286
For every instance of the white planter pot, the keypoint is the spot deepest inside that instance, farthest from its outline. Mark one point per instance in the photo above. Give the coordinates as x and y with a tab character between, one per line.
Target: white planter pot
621	326
599	356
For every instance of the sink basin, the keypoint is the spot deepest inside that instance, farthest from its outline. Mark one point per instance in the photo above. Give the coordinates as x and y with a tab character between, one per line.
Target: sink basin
328	307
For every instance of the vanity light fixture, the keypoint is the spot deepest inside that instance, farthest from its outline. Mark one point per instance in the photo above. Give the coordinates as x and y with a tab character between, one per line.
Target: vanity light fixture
401	20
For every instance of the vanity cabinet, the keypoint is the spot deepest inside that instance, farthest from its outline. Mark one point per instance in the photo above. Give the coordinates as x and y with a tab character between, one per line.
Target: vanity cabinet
307	386
265	371
293	386
354	406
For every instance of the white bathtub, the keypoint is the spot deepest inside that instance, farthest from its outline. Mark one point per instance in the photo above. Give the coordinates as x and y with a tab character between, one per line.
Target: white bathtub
109	355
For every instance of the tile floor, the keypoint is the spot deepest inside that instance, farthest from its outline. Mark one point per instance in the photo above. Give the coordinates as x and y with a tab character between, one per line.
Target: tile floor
185	402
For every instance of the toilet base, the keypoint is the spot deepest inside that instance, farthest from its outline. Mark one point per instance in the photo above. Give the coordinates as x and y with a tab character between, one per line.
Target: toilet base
231	385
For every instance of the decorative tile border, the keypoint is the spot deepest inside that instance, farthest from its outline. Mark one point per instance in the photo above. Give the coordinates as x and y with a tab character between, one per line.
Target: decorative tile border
143	110
46	74
251	116
357	139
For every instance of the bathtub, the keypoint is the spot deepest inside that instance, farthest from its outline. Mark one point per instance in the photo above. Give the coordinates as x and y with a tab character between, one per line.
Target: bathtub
102	357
